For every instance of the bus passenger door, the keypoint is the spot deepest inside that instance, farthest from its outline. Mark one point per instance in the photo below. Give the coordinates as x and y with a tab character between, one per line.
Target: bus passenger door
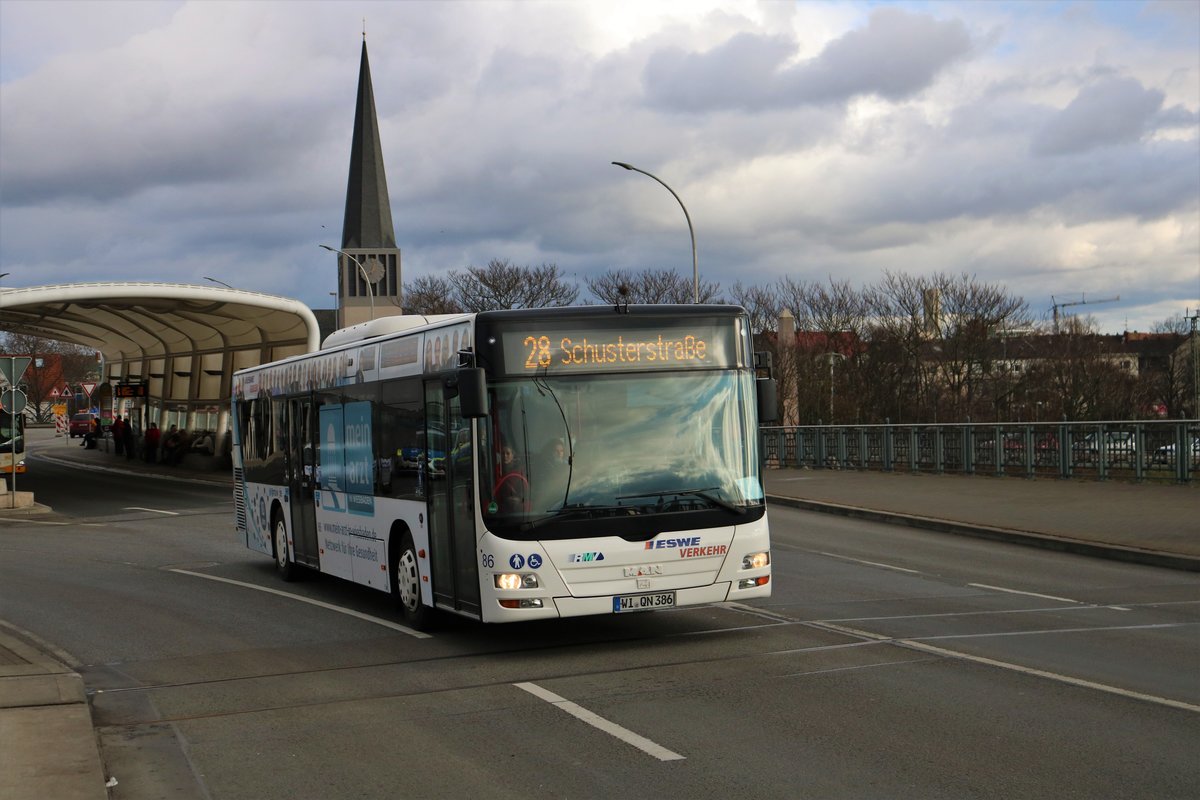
302	455
450	493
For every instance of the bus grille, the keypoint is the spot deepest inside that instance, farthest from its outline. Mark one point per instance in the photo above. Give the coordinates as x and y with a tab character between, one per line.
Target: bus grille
239	499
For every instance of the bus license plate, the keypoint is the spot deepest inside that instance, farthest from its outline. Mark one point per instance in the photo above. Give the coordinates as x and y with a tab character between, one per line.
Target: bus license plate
643	602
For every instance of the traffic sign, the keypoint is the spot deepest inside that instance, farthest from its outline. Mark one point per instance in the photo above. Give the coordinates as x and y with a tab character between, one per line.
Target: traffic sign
54	392
88	388
13	368
13	401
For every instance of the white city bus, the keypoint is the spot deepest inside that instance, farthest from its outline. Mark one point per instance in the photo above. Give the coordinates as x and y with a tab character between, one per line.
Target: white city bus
514	465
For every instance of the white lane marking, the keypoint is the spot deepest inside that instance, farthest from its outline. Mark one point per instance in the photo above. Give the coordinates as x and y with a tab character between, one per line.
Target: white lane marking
1054	676
611	728
1042	596
860	666
27	521
757	612
348	612
152	510
1039	673
870	563
1018	591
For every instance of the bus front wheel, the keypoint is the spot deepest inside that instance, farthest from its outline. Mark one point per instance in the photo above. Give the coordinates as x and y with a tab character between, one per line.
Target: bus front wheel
287	569
408	587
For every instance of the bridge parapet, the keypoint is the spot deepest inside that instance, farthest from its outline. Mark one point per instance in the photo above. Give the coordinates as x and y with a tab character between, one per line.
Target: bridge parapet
1162	450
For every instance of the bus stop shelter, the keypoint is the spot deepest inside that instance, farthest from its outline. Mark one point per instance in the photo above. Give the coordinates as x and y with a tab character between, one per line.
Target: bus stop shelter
173	347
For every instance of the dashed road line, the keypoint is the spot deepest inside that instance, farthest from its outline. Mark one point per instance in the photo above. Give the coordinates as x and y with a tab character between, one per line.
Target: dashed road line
1042	596
872	563
600	723
916	644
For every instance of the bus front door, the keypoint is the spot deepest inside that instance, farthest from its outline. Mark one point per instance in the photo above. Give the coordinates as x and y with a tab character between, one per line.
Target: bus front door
450	494
302	479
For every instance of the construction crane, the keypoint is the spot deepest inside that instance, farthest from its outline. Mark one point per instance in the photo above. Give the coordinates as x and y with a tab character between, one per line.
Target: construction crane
1082	301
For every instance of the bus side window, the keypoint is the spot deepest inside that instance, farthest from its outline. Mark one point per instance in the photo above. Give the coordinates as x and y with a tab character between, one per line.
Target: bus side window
400	441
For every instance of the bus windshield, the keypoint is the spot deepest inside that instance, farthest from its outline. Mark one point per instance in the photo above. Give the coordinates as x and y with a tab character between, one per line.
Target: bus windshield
638	453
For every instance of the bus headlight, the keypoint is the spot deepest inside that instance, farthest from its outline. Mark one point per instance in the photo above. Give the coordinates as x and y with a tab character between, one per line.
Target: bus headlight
756	560
511	580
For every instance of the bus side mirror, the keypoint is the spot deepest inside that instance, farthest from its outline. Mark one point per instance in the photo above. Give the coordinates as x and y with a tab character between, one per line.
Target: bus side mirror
472	392
768	400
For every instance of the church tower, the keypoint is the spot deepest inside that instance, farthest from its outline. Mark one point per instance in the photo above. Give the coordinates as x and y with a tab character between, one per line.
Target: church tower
368	237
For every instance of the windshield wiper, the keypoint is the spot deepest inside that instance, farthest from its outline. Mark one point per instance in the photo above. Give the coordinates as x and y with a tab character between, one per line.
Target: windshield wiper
703	494
574	512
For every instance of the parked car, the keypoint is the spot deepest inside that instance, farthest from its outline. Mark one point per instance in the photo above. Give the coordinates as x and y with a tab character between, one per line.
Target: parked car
80	424
1165	455
1012	446
1120	447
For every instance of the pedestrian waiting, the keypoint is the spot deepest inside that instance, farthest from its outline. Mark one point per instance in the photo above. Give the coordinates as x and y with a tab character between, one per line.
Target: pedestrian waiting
150	443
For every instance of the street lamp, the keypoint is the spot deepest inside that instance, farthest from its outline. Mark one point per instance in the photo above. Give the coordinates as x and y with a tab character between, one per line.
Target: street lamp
688	217
361	268
831	357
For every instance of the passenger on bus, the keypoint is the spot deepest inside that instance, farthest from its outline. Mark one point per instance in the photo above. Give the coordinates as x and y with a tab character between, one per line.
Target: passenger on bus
554	476
511	492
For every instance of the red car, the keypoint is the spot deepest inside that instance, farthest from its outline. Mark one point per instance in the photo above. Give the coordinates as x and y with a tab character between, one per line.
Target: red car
80	424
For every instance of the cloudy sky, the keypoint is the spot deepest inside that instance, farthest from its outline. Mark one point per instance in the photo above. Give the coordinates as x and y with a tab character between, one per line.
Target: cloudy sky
1054	147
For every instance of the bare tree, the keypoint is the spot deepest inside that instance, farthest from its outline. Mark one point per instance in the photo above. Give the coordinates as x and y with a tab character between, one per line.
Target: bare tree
761	303
1080	377
970	320
54	364
430	294
650	286
502	284
900	387
1174	383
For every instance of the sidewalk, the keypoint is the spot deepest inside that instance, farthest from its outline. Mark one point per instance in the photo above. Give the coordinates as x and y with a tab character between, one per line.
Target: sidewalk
48	748
1143	523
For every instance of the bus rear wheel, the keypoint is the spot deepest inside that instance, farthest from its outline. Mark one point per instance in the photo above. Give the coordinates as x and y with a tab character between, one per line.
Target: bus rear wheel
407	587
287	569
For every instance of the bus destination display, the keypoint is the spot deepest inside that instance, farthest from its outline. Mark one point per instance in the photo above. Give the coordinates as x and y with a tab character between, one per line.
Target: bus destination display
695	346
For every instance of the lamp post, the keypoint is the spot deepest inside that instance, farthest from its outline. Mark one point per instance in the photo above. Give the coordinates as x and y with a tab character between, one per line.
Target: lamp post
361	268
831	357
12	490
688	217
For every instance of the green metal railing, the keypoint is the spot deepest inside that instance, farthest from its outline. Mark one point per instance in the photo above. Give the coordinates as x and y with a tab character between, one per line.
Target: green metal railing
1157	450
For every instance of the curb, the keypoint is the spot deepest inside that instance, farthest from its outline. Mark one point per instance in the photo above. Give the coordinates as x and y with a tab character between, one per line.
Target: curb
1045	541
48	744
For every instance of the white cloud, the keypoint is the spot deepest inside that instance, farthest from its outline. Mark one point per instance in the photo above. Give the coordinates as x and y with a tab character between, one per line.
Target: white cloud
1051	147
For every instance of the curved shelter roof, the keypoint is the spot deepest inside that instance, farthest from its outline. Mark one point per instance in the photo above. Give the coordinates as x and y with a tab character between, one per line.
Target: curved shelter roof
183	341
130	321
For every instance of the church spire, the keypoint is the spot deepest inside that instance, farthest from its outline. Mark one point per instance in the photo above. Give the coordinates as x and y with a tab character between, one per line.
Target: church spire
369	269
368	221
